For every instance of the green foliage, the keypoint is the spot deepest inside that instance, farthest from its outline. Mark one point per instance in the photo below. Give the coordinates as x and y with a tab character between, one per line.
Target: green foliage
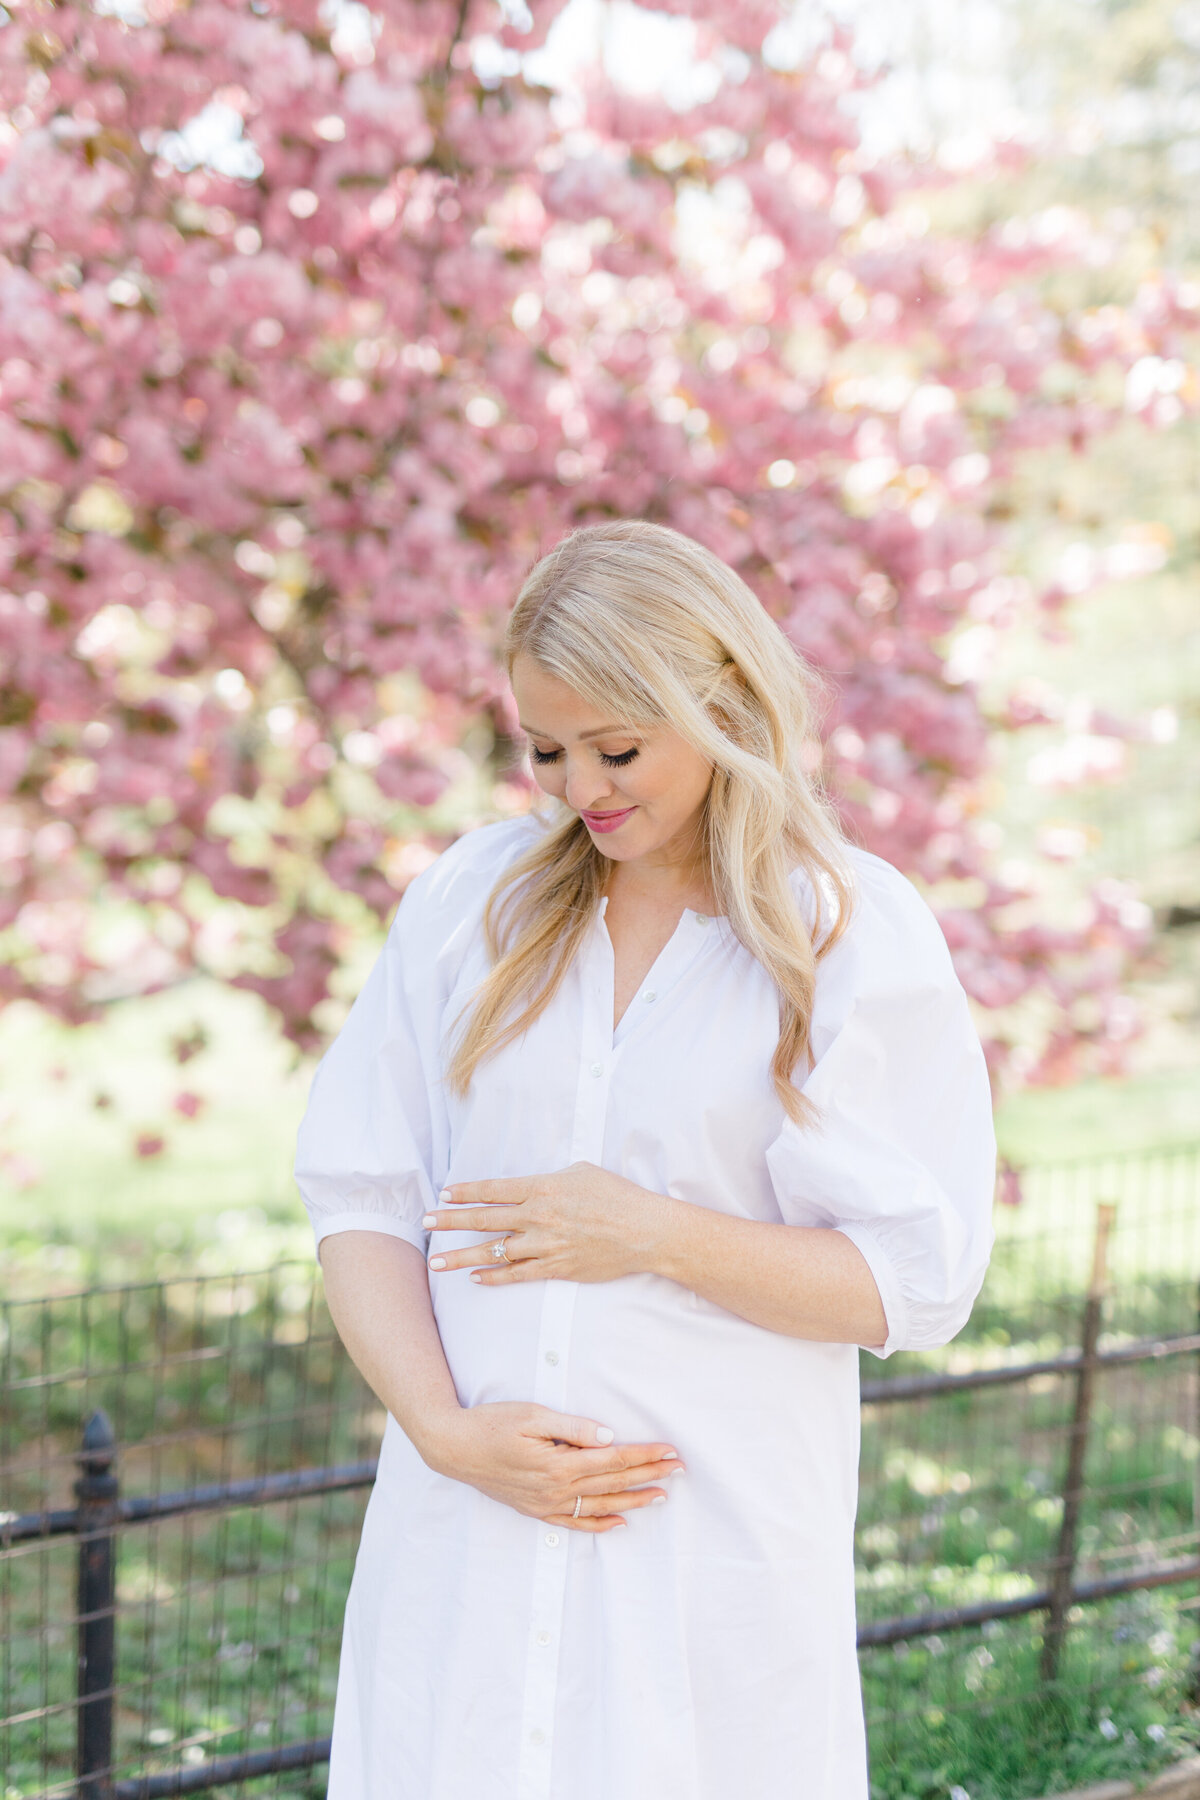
1118	79
230	1623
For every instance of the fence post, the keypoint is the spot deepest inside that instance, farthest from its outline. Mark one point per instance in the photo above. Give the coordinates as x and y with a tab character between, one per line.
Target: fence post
96	1492
1062	1579
1196	1463
1192	1685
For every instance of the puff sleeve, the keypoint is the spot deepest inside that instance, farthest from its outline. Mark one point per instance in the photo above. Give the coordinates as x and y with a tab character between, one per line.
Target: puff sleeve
903	1158
373	1145
365	1148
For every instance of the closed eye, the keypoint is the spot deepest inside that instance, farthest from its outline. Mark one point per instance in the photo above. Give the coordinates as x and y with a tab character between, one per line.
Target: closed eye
614	762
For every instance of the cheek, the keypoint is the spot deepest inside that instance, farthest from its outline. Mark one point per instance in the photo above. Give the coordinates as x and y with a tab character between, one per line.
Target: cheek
678	789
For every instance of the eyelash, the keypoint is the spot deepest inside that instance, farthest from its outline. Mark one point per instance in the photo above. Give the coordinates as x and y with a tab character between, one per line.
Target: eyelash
614	762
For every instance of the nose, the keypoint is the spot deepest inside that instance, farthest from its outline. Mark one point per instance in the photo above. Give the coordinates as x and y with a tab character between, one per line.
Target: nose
587	788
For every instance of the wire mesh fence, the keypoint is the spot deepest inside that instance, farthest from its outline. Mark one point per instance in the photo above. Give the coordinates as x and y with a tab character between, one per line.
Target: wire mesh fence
231	1571
962	1499
227	1619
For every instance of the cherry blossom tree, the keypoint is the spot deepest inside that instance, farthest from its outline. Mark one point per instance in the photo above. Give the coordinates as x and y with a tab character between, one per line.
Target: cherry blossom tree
318	323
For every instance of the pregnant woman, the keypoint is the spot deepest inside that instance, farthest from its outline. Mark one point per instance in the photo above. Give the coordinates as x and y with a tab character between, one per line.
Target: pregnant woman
659	1101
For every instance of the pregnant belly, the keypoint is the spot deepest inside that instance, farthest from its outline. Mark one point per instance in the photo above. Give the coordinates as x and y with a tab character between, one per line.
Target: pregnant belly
751	1412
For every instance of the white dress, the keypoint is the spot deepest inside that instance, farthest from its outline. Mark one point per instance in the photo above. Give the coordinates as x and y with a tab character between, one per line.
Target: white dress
706	1650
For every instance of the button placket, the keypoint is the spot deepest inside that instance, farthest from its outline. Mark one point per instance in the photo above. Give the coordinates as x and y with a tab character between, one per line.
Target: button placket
693	934
553	1544
550	1560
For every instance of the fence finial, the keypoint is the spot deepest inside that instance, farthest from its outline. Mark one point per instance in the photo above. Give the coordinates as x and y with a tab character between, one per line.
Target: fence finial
98	1445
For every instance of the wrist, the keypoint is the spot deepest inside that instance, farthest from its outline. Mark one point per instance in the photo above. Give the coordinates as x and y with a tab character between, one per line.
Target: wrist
651	1233
434	1436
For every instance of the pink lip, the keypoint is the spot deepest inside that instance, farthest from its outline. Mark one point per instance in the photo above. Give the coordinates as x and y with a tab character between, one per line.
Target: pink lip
607	821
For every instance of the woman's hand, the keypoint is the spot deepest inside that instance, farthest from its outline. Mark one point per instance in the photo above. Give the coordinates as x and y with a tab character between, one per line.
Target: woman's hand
581	1223
537	1461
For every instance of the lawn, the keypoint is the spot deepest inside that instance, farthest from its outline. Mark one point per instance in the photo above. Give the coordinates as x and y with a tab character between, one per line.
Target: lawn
230	1625
78	1203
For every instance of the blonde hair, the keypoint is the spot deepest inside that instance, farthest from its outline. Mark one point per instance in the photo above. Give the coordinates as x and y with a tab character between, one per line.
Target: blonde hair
654	629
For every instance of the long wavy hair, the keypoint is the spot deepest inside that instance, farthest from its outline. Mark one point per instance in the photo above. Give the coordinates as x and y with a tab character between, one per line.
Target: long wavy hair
655	630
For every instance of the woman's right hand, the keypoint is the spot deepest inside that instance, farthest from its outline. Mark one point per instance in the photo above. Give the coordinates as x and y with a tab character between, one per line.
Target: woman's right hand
537	1461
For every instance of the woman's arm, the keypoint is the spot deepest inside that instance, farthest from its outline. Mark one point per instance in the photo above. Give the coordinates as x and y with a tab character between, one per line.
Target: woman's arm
522	1454
587	1224
802	1281
378	1297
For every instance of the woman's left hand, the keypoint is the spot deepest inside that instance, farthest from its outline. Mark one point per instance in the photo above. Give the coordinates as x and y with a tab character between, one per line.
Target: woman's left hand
581	1223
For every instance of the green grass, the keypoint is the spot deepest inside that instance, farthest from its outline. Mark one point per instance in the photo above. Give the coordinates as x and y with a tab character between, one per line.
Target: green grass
1095	1118
228	1637
228	1624
231	1625
960	1504
78	1203
973	1715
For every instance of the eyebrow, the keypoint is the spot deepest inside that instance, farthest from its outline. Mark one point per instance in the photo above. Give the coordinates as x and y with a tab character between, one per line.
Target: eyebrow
600	731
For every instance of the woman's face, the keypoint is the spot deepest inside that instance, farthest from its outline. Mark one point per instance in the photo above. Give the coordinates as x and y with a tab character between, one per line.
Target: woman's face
640	793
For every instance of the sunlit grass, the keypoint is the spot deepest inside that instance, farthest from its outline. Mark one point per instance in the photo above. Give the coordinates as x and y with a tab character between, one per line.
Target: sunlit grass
78	1100
231	1641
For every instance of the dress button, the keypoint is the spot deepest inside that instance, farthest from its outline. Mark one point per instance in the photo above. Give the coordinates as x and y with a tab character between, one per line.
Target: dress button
552	1538
597	1068
649	994
543	1637
552	1357
702	918
536	1736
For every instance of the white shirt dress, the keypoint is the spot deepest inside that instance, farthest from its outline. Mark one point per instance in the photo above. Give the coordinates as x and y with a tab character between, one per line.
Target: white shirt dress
707	1649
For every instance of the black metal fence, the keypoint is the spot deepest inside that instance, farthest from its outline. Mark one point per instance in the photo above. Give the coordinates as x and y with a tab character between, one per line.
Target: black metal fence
1030	1521
232	1560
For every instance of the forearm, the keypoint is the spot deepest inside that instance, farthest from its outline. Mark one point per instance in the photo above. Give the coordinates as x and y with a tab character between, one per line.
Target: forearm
801	1281
377	1290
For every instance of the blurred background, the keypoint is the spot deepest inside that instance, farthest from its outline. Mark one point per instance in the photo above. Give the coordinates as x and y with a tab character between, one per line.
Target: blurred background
318	324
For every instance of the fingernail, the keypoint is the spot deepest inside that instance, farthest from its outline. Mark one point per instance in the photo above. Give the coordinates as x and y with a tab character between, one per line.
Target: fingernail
659	1500
437	1262
603	1435
475	1275
680	1471
428	1220
668	1454
445	1196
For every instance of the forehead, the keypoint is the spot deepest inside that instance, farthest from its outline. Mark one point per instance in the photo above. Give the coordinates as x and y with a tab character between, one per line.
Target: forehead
550	706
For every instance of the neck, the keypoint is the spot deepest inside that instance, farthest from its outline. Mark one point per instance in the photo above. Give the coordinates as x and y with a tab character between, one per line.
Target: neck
660	883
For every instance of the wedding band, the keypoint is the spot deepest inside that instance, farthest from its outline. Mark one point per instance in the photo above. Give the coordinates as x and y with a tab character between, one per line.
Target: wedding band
578	1506
499	1253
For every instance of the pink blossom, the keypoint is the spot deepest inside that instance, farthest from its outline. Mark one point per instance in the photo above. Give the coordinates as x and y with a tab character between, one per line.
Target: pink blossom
283	425
1008	1184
